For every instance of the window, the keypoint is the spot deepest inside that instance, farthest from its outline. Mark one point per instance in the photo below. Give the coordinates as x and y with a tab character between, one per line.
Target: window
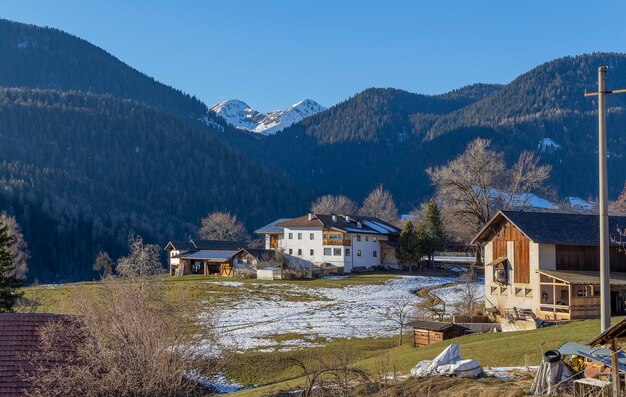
196	267
312	252
327	251
347	251
290	236
367	238
358	237
374	239
337	252
300	252
375	254
299	236
358	252
312	237
290	251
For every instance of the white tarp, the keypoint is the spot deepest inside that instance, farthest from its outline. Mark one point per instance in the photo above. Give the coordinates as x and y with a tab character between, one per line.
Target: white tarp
447	363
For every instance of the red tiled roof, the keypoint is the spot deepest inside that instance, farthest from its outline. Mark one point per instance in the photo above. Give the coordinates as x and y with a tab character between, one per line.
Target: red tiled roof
19	338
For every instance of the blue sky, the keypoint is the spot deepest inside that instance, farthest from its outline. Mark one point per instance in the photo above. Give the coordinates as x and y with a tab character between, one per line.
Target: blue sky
274	53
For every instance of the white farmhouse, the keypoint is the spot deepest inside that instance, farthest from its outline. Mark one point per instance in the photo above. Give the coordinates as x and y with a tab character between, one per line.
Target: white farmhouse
343	242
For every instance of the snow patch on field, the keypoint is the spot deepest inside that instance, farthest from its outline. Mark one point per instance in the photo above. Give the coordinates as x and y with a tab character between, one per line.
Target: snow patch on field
457	293
352	311
227	283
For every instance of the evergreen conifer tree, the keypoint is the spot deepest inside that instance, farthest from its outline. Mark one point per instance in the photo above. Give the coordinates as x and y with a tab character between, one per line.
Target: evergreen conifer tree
434	238
408	249
9	283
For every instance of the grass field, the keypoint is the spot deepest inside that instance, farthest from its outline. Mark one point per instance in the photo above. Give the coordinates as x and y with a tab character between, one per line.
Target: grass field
274	370
491	350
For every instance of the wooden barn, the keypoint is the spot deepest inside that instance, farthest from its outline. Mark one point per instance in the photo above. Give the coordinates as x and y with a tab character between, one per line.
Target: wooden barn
548	265
429	332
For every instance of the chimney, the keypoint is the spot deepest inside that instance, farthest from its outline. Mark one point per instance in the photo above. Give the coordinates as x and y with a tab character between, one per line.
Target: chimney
310	216
334	218
359	225
347	218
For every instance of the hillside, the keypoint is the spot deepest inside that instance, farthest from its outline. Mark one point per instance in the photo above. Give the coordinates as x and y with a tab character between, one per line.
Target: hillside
391	136
82	171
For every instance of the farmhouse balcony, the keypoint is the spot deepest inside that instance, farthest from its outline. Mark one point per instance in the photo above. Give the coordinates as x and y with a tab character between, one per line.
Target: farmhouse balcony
344	242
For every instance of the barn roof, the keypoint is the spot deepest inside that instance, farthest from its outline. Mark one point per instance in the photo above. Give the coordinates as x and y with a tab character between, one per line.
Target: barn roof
261	253
584	277
616	331
192	245
553	227
180	245
211	256
433	325
19	340
344	223
223	245
272	228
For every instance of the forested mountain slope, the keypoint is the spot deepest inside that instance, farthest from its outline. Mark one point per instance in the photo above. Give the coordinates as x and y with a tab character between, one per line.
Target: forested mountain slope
37	57
391	136
83	171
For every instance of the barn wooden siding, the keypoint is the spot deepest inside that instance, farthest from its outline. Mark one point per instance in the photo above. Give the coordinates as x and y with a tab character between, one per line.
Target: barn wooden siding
521	254
587	258
424	337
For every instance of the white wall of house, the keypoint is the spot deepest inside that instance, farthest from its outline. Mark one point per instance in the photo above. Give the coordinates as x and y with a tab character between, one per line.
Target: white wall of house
366	250
518	295
306	244
174	261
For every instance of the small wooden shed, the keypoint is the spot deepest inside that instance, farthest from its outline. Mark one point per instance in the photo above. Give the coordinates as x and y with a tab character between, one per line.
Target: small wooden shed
429	332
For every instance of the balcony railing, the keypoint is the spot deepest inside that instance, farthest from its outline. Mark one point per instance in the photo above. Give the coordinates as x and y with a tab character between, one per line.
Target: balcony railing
344	242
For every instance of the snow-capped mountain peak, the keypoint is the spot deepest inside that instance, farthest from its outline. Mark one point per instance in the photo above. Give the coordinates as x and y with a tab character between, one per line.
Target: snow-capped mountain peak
238	114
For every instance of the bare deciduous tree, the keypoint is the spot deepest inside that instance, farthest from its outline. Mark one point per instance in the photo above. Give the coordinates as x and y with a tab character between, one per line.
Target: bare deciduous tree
330	204
222	226
103	264
142	260
18	247
379	204
475	185
470	295
433	305
399	313
127	340
334	376
618	207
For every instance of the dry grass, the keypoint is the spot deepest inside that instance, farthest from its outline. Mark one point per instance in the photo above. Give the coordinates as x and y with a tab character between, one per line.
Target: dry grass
461	387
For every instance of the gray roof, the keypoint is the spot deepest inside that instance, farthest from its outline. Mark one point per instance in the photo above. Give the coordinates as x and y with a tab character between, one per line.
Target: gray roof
347	224
192	245
211	256
223	245
261	253
554	228
583	277
181	245
433	325
272	228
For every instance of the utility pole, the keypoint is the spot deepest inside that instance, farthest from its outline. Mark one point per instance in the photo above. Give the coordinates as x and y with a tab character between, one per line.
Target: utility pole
605	270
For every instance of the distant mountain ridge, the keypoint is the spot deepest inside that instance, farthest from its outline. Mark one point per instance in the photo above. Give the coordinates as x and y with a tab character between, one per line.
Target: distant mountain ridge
239	115
92	150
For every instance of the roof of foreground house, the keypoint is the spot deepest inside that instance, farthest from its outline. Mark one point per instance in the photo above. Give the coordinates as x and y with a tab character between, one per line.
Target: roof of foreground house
19	340
553	227
344	223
